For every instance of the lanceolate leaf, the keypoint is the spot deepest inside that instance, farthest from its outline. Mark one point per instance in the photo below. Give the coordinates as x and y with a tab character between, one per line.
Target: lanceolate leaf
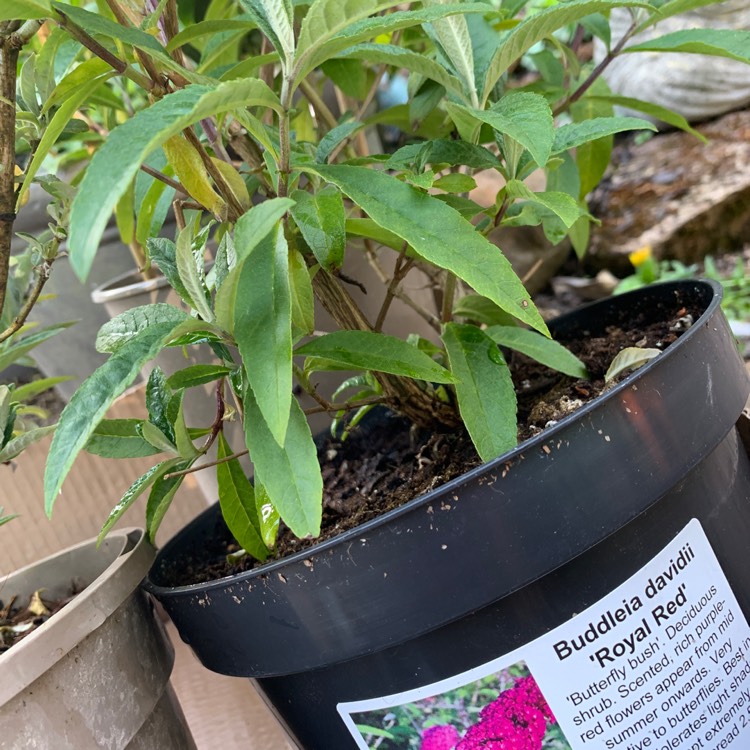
290	474
24	345
366	350
731	43
256	225
539	26
119	438
390	54
158	395
525	117
134	492
438	233
453	34
163	252
197	375
486	397
649	108
237	501
128	145
321	219
56	126
91	401
575	134
303	300
17	445
191	278
263	329
154	436
452	153
161	496
22	10
275	18
561	204
332	26
544	350
119	331
35	387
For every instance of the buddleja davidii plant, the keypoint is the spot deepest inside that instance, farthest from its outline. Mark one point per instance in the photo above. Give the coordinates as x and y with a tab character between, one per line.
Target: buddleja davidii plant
255	307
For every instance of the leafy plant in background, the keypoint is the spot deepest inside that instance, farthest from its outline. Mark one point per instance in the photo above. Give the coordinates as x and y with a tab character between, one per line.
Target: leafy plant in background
233	111
736	283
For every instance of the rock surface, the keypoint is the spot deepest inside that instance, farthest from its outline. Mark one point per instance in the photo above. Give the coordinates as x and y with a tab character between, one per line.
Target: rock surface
696	86
684	198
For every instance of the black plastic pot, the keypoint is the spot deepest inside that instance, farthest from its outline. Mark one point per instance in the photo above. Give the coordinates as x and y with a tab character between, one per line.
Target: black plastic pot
500	555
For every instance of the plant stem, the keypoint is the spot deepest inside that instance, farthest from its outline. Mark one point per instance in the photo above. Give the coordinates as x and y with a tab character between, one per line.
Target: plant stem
320	107
349	406
9	50
42	274
284	139
595	73
449	292
400	270
104	54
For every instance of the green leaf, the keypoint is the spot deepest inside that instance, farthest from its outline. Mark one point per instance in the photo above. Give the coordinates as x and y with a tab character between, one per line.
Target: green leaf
183	440
197	375
91	401
119	438
450	153
538	26
303	301
455	183
561	204
731	43
208	28
237	502
119	331
525	117
263	328
254	226
321	219
163	252
115	164
453	35
6	519
15	446
154	436
290	474
29	390
187	261
438	233
575	134
23	346
334	137
547	351
134	492
629	358
267	515
486	397
367	350
324	20
275	18
479	309
648	108
369	229
24	10
400	57
158	395
332	26
161	496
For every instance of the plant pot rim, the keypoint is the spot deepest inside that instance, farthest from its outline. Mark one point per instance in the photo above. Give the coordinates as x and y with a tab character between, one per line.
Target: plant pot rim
131	556
547	436
126	285
501	525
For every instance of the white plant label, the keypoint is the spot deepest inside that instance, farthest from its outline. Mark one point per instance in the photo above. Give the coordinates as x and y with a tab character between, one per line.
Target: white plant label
660	663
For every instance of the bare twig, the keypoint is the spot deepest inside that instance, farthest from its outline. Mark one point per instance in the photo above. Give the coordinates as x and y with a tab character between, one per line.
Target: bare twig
402	267
42	274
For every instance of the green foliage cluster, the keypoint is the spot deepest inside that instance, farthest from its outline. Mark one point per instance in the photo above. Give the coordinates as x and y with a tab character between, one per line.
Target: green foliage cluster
251	118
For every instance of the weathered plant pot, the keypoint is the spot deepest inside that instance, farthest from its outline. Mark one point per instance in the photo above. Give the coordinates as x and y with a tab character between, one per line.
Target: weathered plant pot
96	674
538	544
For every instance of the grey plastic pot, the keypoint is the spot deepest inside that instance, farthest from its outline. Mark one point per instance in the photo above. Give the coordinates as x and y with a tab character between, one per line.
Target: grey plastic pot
96	674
